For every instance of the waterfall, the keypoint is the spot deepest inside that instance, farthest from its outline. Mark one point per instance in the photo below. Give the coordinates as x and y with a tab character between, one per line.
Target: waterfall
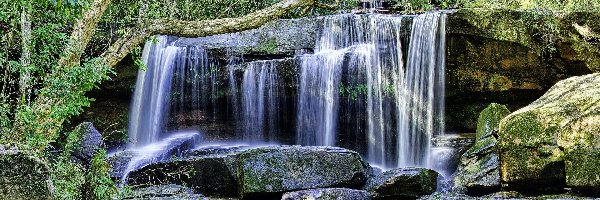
357	79
152	92
260	101
422	104
171	83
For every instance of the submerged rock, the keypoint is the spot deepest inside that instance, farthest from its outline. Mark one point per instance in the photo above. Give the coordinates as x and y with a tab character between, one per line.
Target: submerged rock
556	139
24	176
270	171
327	194
478	170
402	183
164	192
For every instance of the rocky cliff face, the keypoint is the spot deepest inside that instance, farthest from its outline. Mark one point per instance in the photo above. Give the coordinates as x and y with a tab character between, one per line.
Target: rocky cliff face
512	58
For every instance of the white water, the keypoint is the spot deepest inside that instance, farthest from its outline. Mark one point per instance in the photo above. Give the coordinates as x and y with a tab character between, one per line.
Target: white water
260	101
359	63
422	104
152	91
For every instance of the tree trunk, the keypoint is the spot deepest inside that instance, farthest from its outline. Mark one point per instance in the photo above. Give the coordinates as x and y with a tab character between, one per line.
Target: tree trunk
25	74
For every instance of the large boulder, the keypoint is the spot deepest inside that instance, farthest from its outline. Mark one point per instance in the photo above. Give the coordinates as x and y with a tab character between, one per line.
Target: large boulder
406	183
478	170
556	139
208	171
327	194
24	176
270	171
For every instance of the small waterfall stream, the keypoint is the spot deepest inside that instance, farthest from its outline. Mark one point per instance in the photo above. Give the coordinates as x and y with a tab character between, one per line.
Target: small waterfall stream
260	100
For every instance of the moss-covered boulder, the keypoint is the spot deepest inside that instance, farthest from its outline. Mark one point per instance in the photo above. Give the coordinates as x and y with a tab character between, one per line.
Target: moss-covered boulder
327	194
272	171
404	183
489	119
478	170
24	176
207	171
556	139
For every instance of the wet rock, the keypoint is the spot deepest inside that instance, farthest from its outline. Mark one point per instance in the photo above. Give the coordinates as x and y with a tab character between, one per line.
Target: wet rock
555	140
24	176
402	183
119	162
270	171
169	148
89	142
327	194
447	150
447	196
208	171
478	170
164	192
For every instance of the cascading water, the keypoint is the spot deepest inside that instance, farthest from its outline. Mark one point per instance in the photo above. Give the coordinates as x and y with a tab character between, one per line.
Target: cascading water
260	101
375	84
422	104
359	63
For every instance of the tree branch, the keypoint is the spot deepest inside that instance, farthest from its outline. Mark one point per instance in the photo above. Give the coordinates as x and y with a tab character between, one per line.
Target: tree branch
202	28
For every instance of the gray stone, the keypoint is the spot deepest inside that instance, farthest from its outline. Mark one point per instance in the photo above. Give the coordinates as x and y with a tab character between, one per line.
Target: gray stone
90	142
402	183
271	171
327	194
208	171
164	192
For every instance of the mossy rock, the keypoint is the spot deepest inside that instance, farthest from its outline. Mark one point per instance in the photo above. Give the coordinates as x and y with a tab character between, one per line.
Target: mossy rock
163	192
24	176
405	183
327	194
213	174
271	171
489	119
563	125
478	170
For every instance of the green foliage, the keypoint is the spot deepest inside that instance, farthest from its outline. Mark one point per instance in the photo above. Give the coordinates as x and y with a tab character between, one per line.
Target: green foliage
551	5
352	92
66	91
420	6
98	178
68	179
73	181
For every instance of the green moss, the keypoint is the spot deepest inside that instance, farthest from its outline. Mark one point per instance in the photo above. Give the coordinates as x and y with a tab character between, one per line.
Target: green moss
268	47
489	119
583	168
526	130
521	166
